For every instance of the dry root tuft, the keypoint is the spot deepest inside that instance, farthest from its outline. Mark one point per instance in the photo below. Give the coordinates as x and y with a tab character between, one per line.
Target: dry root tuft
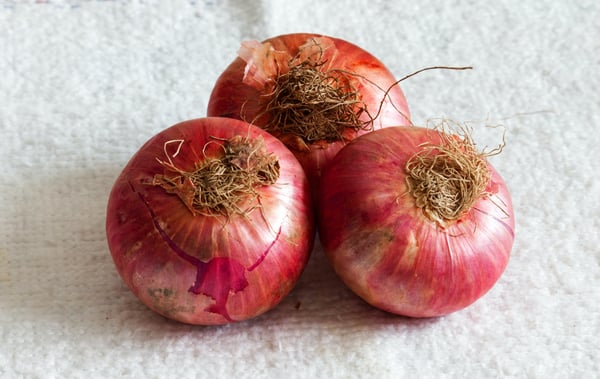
314	104
220	186
447	179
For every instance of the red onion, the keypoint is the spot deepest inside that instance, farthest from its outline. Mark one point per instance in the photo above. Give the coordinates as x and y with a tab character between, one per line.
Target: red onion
313	92
415	221
211	221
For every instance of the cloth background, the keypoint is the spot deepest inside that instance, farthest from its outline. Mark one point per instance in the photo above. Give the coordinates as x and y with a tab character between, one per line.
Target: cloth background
83	84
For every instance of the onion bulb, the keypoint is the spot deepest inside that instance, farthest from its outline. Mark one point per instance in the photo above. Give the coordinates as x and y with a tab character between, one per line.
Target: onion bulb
415	221
211	222
313	92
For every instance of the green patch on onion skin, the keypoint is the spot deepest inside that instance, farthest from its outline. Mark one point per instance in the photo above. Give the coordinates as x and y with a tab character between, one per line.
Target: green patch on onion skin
160	292
218	185
446	179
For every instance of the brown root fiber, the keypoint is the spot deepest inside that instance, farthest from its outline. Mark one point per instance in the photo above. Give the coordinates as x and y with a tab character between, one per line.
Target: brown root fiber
447	179
222	185
314	104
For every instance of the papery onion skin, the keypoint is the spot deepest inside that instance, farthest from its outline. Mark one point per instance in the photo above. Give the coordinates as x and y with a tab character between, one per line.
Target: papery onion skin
230	97
204	269
387	251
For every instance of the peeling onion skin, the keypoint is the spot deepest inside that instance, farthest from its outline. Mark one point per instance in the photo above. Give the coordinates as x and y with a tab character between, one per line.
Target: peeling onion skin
230	94
387	251
201	269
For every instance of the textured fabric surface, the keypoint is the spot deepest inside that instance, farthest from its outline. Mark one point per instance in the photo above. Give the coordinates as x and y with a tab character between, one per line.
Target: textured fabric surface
84	84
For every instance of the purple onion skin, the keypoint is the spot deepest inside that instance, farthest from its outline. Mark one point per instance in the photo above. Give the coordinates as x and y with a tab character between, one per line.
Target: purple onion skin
387	251
208	270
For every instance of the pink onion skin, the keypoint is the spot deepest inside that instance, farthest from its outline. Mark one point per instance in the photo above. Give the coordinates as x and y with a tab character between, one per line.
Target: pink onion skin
202	269
387	251
230	94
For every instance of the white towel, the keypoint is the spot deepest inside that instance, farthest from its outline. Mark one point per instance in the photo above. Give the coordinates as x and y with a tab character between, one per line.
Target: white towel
83	84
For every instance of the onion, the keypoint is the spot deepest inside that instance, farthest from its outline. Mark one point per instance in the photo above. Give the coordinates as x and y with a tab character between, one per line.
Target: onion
211	222
314	92
415	221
